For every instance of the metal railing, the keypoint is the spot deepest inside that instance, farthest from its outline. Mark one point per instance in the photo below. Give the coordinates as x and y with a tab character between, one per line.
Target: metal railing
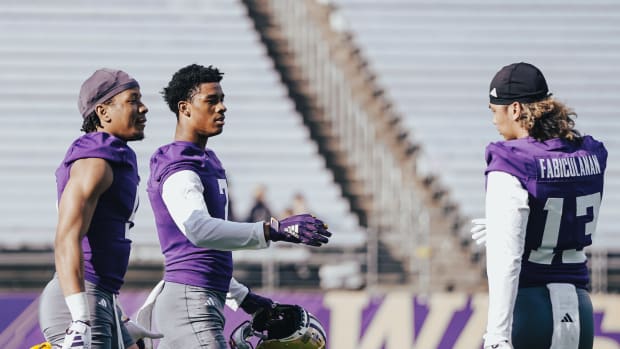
398	212
599	259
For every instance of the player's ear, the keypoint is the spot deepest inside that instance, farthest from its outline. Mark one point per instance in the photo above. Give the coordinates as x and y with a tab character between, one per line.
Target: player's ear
102	112
183	108
514	109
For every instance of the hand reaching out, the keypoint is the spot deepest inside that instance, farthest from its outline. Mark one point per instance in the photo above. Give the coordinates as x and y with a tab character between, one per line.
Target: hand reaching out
300	229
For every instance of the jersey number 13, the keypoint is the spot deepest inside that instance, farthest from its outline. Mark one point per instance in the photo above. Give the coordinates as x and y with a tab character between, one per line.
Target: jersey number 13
545	253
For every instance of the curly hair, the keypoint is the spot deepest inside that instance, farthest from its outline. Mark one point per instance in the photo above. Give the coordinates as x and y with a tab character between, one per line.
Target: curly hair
185	84
548	119
92	121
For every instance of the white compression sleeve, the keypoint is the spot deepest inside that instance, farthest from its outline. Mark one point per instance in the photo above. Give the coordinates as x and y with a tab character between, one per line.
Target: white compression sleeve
78	306
182	194
236	294
507	213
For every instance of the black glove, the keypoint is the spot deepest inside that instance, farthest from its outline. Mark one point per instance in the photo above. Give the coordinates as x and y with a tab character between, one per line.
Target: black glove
253	303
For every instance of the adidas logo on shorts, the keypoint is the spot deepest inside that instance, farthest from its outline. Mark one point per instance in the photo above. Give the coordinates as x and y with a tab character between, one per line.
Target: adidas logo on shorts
103	303
567	318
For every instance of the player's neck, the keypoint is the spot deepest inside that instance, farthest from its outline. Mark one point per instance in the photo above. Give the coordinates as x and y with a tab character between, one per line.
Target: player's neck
186	135
522	133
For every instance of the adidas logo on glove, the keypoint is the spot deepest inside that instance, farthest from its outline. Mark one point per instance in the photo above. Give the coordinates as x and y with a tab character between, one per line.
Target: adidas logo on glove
293	230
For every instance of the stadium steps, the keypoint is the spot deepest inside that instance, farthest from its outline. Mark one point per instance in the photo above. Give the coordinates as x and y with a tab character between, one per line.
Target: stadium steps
392	253
391	270
301	94
435	60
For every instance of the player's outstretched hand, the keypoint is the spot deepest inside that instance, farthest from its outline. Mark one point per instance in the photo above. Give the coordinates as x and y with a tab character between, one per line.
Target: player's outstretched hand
77	336
299	229
252	303
479	231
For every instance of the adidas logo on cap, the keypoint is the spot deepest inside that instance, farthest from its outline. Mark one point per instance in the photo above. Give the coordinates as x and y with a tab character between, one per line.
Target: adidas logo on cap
518	82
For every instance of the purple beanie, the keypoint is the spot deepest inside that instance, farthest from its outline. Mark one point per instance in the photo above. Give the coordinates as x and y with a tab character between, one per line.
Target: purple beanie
101	86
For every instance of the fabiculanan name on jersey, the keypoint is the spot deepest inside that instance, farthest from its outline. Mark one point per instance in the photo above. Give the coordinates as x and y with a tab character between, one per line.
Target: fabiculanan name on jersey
566	167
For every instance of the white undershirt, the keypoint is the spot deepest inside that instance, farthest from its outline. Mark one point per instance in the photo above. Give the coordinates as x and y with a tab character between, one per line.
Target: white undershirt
182	194
236	294
507	213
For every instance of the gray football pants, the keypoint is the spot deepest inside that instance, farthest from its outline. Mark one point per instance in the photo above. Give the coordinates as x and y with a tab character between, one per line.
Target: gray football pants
190	317
532	326
54	317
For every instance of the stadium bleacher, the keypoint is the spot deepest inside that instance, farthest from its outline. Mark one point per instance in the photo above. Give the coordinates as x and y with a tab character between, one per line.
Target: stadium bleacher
433	59
434	79
47	50
438	73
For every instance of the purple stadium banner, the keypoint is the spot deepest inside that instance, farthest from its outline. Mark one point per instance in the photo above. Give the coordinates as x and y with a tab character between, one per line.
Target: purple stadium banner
354	320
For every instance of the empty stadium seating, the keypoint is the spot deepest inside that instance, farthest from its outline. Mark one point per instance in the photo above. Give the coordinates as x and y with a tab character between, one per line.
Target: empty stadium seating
47	50
436	59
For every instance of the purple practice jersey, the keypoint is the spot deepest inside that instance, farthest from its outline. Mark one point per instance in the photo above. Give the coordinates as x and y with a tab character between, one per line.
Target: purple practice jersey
185	263
564	181
105	246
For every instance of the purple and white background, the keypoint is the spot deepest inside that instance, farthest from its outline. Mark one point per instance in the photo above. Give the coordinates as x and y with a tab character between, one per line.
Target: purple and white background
353	320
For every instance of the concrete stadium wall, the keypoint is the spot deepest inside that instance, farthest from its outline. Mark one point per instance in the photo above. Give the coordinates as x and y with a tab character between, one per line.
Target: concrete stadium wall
353	320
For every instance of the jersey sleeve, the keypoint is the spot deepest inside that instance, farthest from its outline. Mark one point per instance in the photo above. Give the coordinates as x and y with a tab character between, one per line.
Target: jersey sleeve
502	157
172	158
100	145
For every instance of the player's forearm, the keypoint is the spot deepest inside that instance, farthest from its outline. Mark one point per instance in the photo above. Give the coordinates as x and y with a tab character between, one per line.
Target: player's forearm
70	269
503	279
68	254
205	231
504	254
183	195
507	214
69	263
236	293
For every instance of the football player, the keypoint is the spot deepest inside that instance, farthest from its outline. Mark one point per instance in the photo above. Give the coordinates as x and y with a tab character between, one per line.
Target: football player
189	196
544	185
97	198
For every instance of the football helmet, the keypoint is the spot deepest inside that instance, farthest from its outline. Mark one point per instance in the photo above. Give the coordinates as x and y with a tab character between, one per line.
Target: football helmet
283	327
